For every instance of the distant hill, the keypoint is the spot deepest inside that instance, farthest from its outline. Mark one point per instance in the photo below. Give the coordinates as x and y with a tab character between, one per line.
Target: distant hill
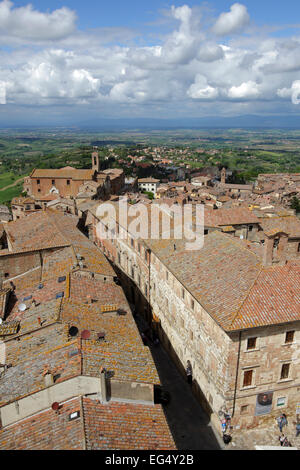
291	121
246	121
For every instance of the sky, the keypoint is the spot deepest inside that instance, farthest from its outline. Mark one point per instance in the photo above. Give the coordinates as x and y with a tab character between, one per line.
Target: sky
74	61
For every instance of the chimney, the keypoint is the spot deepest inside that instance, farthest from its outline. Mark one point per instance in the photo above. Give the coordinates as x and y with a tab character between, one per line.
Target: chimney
275	249
48	378
103	385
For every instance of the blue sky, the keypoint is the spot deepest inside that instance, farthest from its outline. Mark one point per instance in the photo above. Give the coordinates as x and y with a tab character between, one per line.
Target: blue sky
135	13
88	59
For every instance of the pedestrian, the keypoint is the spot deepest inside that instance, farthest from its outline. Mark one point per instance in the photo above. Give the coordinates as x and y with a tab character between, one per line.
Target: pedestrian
286	443
281	421
224	425
228	419
281	439
284	420
189	372
297	429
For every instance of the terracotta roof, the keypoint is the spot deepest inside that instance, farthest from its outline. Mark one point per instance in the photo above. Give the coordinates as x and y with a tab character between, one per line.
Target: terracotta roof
34	232
228	279
112	426
126	426
214	275
245	187
148	180
274	298
288	224
234	216
42	342
46	431
22	200
70	173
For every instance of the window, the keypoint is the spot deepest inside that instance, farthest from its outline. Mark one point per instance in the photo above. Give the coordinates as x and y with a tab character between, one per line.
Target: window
38	181
251	343
285	370
167	275
182	293
132	272
192	304
244	409
281	401
68	182
119	258
39	190
250	228
53	181
6	275
289	337
248	375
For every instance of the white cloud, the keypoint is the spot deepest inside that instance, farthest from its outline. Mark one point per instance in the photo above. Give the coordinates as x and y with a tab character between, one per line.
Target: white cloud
2	92
200	90
232	21
210	52
29	24
292	92
245	90
173	74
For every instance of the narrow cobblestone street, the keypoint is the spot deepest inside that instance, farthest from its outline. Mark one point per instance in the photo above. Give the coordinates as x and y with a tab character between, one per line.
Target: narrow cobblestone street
186	418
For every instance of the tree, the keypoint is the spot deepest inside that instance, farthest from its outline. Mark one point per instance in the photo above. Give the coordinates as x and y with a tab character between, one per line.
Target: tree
295	204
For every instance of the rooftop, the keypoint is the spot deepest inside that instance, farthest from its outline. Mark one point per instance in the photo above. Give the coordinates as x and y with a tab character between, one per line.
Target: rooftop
217	268
112	426
67	172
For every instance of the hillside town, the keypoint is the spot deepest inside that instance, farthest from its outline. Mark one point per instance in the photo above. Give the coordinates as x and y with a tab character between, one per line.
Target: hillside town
81	311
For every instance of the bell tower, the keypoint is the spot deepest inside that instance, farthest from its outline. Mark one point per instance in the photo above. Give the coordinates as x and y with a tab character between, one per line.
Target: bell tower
223	176
95	160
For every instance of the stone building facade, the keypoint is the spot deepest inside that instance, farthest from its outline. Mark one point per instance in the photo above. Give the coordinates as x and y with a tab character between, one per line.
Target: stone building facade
231	309
68	182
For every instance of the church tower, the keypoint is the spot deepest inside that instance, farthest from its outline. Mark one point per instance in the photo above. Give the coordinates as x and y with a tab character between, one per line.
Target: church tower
95	160
223	176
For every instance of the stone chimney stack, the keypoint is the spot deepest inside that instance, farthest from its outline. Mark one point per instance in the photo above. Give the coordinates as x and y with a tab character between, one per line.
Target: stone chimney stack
95	160
275	249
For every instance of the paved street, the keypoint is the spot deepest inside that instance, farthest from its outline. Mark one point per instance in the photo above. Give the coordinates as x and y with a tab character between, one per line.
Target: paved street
187	420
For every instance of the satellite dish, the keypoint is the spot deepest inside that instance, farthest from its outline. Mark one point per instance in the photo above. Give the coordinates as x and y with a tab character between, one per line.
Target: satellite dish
22	308
85	334
55	406
73	331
